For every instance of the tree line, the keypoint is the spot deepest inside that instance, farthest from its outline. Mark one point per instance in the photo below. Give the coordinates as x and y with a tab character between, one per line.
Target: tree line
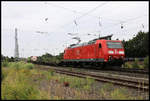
138	46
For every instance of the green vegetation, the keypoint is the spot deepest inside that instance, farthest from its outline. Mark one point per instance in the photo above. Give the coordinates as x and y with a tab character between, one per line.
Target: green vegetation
17	65
138	46
146	62
6	58
137	64
5	63
49	59
17	83
23	81
18	88
127	65
120	94
108	92
76	82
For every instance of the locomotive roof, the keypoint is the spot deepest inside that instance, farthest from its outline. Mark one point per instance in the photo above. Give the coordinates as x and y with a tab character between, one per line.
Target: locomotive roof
91	41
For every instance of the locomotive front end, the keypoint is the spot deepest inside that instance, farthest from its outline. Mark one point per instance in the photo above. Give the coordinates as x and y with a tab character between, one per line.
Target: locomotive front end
115	53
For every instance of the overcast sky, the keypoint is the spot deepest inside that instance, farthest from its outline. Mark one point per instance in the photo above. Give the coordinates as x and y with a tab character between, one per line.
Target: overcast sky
44	26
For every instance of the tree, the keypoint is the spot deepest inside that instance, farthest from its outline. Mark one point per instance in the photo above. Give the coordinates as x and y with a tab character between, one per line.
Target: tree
138	46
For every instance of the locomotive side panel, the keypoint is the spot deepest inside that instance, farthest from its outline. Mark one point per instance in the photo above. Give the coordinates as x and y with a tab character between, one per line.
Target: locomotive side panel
88	52
83	53
99	52
68	53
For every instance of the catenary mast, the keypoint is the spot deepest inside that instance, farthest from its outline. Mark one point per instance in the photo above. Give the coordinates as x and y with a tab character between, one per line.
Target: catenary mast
16	45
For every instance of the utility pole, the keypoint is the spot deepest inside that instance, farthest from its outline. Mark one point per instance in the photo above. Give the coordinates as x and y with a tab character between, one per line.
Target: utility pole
16	45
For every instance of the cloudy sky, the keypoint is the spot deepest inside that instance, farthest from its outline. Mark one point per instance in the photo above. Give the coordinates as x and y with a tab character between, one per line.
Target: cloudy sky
44	26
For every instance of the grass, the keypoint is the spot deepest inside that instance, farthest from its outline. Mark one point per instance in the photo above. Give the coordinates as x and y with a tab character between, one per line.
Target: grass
137	64
5	64
21	81
75	82
17	83
18	65
128	65
104	91
16	86
146	62
119	94
4	73
108	92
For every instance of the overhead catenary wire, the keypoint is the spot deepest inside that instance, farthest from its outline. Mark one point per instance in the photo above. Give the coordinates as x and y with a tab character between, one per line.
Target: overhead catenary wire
133	28
119	23
87	14
92	10
80	12
123	22
70	10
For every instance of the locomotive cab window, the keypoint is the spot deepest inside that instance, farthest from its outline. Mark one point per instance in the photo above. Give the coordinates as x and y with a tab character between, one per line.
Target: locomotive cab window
114	44
100	46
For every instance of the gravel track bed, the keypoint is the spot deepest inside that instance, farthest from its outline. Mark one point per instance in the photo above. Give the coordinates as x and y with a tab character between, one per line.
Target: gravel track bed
104	72
57	89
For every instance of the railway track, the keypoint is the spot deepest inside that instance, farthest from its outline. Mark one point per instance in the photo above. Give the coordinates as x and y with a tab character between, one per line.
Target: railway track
140	71
138	83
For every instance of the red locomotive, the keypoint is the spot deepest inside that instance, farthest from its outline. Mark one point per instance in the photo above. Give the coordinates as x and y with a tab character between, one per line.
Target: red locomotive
98	51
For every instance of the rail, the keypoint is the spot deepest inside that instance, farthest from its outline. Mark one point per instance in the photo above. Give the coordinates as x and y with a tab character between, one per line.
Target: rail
138	83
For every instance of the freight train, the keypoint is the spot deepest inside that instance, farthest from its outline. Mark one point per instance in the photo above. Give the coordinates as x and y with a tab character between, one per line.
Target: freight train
97	52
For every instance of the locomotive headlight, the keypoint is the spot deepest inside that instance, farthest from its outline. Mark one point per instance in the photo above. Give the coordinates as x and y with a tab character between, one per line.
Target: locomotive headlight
121	52
111	52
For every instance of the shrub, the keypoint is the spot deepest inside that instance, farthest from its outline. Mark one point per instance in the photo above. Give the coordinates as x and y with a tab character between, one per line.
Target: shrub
146	62
135	64
5	64
14	65
29	66
127	65
141	66
21	64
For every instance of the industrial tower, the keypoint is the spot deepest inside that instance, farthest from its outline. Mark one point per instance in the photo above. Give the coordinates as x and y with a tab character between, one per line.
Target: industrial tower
16	45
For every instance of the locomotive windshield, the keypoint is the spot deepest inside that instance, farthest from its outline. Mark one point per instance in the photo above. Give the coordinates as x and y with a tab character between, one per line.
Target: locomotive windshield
114	44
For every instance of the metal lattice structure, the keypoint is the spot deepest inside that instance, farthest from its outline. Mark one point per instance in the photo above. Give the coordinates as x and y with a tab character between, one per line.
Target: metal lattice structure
16	45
